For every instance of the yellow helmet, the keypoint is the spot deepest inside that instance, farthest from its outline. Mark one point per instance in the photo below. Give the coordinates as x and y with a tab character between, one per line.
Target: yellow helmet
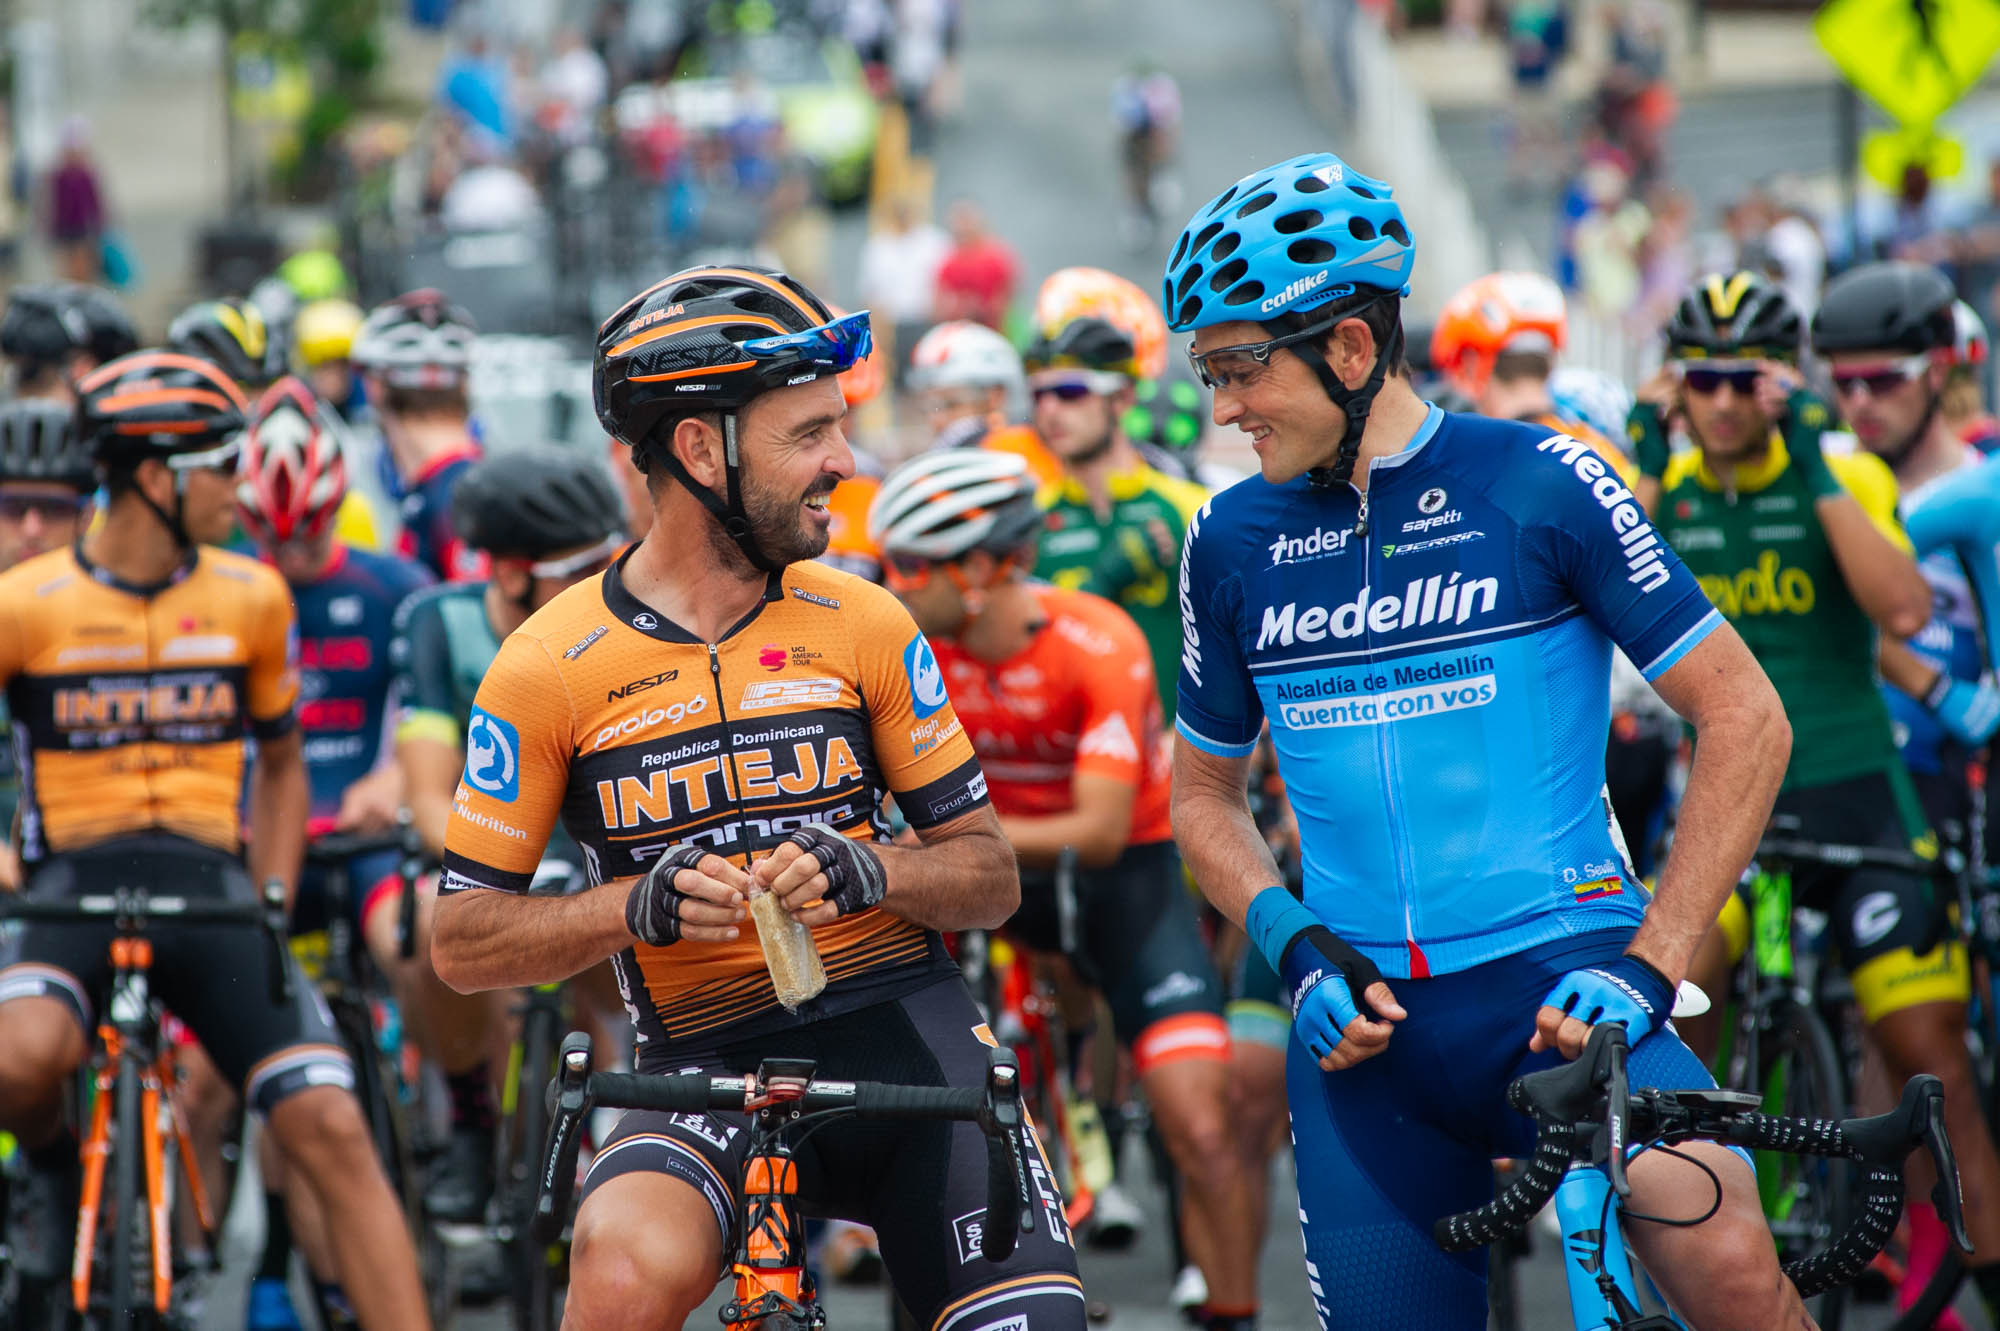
324	331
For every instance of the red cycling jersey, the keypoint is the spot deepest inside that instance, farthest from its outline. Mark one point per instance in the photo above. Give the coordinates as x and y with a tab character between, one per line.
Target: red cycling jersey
1079	698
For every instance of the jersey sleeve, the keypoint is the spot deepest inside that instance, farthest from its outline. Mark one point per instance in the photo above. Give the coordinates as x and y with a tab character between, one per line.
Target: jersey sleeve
518	745
1218	710
1116	734
923	751
1962	515
273	676
1873	486
422	688
13	637
1601	546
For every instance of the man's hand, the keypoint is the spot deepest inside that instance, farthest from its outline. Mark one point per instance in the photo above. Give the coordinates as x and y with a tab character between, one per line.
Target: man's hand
1629	989
1322	974
1776	382
10	870
1646	428
688	893
1969	711
372	803
820	875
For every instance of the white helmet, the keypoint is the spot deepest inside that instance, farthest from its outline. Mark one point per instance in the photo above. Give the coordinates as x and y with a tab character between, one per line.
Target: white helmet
963	354
418	340
949	502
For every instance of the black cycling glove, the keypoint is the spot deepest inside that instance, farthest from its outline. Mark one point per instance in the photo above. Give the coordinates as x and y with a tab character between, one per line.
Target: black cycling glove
653	908
855	879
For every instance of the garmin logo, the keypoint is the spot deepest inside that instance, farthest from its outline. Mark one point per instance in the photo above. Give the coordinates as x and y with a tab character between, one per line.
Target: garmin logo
1325	541
1637	539
1425	601
1293	292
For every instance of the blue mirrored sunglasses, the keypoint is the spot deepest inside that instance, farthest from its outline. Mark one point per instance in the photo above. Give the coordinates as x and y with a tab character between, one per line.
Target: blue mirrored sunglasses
837	344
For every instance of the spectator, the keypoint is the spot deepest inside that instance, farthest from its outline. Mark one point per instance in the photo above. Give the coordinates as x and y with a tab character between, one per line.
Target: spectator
489	196
1979	248
1537	40
1607	240
1796	252
76	207
1666	259
573	87
899	276
977	279
916	59
474	85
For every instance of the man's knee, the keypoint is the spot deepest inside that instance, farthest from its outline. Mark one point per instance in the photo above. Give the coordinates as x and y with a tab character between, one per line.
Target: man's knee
637	1259
40	1046
1191	1108
1929	1037
322	1133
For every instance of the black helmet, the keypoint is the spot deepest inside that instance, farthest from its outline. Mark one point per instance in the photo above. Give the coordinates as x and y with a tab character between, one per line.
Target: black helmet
1739	317
712	338
233	334
1087	343
38	443
47	323
529	503
1893	306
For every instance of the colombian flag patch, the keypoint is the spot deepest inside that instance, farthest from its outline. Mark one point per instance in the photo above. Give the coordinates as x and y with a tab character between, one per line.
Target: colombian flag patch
1597	889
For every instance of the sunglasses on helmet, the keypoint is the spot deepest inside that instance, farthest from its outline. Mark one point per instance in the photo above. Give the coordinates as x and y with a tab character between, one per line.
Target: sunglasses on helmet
836	345
583	563
223	457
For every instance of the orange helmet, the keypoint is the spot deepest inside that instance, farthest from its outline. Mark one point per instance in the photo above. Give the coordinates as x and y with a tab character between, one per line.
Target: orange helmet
1498	312
1075	293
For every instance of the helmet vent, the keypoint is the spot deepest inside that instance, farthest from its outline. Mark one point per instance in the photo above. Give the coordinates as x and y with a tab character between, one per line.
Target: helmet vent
1310	184
1256	203
1188	279
1310	250
1225	246
1360	228
1206	234
1228	274
1396	231
1305	219
1244	294
1363	192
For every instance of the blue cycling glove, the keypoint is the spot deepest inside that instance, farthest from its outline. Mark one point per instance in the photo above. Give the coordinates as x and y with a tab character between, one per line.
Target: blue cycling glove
1629	989
1323	975
1970	712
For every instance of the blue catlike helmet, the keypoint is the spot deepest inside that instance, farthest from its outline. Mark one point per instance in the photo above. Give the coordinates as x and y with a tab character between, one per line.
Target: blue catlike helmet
1307	237
1288	238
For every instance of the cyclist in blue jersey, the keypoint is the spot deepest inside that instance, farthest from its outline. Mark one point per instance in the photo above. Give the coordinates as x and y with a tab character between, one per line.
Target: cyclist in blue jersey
1423	607
415	358
290	483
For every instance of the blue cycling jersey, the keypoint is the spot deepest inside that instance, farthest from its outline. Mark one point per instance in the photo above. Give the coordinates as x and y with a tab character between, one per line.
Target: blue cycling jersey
344	667
1959	516
1438	690
428	534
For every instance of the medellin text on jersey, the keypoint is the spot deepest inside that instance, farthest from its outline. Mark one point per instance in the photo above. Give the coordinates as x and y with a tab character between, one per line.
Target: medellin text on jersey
1438	688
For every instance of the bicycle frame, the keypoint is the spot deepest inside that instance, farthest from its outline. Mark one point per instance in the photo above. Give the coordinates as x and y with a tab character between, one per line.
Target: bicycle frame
129	1040
1592	1241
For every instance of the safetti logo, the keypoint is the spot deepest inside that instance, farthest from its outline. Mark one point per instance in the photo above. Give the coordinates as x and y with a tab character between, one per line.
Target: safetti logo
1325	541
1293	291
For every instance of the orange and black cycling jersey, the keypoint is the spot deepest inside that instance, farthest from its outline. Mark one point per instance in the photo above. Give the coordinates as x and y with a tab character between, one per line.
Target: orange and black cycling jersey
640	737
1078	699
132	704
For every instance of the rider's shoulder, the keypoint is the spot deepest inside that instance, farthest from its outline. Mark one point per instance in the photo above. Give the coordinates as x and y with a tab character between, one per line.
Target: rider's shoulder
426	603
216	562
395	573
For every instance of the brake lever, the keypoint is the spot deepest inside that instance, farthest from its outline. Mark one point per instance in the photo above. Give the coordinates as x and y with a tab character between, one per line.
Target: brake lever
1617	1104
1946	1194
276	945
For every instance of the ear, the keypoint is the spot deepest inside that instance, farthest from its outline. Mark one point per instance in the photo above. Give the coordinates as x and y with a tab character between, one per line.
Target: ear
511	576
155	480
698	446
1351	352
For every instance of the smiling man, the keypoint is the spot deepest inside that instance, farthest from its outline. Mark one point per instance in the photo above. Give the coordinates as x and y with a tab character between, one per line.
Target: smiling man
1422	606
713	717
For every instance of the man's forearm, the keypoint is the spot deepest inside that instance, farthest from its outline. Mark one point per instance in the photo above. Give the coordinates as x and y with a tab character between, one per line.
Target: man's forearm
482	939
1038	841
1739	761
1885	581
279	801
964	881
1228	856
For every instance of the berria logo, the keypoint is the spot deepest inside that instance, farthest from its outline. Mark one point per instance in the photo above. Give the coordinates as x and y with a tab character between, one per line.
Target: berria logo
1293	291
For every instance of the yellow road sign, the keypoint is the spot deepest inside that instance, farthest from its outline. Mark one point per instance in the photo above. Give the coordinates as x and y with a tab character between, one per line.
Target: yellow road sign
1885	152
1913	57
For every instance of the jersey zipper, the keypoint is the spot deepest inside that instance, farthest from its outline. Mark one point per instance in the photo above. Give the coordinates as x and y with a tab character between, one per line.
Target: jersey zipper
1385	753
730	775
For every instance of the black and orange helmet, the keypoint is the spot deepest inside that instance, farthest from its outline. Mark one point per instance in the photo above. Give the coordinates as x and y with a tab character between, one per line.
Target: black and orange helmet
158	404
710	339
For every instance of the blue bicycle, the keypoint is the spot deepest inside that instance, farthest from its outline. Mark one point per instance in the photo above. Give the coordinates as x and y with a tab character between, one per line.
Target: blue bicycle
1589	1123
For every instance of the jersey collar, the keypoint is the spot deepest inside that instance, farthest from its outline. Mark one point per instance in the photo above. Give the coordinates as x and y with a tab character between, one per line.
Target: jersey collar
105	577
1126	484
1752	476
467	451
1433	418
642	618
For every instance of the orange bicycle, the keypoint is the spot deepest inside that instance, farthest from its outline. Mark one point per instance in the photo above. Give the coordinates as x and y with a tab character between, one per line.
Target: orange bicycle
774	1290
122	1271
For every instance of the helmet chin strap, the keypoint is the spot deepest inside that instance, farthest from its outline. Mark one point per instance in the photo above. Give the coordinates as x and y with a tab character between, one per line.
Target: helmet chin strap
727	511
1354	402
174	522
1895	457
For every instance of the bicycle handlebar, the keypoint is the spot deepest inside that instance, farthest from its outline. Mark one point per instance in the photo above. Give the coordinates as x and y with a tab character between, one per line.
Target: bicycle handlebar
333	849
995	1107
1566	1100
129	907
1801	851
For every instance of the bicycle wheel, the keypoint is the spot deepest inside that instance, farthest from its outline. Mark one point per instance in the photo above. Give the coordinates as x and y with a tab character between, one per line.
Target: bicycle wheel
1806	1199
536	1265
129	1287
375	1088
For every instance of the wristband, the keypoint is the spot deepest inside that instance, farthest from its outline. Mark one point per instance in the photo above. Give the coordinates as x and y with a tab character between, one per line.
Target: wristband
1274	919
